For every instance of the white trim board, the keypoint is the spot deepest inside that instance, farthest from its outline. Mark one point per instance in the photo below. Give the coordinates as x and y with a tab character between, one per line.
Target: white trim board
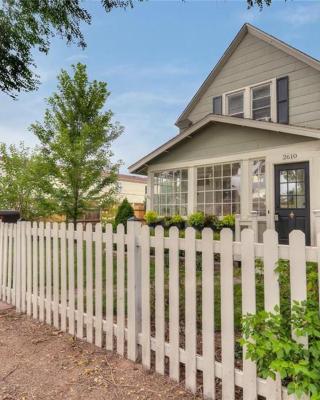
224	119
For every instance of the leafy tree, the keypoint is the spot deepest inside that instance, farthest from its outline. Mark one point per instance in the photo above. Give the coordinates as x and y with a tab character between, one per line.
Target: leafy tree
76	137
26	25
22	182
125	211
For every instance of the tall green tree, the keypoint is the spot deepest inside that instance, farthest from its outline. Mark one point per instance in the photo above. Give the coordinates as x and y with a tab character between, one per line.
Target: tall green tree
76	137
23	182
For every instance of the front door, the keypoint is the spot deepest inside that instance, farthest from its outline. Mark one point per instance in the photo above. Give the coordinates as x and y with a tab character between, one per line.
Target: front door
292	193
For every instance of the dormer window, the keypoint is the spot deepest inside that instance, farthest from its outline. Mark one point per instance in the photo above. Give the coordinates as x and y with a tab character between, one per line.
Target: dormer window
235	104
261	102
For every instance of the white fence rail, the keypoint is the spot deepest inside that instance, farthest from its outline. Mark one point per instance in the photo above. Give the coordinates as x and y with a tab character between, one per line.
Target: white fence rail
111	289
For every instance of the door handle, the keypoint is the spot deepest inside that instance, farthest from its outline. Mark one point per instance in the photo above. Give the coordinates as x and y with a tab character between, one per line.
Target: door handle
291	215
276	217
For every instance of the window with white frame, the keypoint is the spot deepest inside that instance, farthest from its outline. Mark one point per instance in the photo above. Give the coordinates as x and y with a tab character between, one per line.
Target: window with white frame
256	102
261	102
258	171
236	104
218	189
170	192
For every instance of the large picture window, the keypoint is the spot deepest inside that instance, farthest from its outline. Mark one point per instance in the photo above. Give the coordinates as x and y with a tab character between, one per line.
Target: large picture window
218	189
259	187
170	194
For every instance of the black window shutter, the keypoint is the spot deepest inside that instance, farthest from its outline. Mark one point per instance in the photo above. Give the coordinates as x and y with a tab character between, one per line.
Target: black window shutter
217	105
283	100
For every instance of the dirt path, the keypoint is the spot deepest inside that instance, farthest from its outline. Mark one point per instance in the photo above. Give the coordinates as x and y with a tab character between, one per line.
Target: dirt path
38	362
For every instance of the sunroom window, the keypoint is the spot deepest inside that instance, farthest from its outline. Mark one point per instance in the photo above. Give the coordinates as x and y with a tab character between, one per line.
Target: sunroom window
170	190
235	104
218	189
259	187
261	102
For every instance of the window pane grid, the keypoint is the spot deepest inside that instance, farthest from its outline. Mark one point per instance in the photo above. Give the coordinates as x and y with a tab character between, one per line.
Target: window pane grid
218	189
261	102
258	187
170	194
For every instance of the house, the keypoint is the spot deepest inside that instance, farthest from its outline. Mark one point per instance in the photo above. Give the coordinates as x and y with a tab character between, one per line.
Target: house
249	141
134	188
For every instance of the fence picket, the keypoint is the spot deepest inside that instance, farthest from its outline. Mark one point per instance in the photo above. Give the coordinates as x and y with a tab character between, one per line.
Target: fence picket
145	297
174	314
48	272
227	315
208	314
56	280
80	305
63	279
89	283
71	277
41	272
120	290
17	286
109	288
23	267
98	285
29	267
14	265
271	295
35	270
10	264
190	310
1	257
3	293
298	276
159	298
248	275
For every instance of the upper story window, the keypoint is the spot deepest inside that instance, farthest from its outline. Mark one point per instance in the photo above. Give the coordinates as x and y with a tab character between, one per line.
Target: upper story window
235	104
261	102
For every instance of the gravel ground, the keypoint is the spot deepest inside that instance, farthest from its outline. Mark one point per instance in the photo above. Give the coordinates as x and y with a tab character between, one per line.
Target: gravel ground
39	362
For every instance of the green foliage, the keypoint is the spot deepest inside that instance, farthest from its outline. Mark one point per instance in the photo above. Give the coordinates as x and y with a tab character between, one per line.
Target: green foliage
76	138
125	211
197	220
29	25
176	220
23	182
228	221
269	342
151	217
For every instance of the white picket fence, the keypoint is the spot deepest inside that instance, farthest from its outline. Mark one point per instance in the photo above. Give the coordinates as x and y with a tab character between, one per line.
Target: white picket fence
81	280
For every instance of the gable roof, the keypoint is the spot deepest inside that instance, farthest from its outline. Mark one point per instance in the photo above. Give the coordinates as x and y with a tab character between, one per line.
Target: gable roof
246	28
140	165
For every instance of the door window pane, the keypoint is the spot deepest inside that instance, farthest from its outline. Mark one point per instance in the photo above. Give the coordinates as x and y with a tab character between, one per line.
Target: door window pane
292	188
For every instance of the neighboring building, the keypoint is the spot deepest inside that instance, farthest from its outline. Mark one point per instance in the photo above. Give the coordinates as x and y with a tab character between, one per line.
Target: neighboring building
133	188
249	140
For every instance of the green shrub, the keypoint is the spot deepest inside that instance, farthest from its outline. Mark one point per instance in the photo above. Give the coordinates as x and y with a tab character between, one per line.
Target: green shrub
197	220
228	221
269	341
152	219
211	221
178	221
124	212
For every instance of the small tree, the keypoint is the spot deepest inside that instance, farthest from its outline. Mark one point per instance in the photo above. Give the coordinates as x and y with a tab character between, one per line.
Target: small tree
125	211
76	138
22	182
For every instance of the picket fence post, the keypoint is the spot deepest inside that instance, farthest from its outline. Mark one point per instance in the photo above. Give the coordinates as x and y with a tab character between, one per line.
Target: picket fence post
134	288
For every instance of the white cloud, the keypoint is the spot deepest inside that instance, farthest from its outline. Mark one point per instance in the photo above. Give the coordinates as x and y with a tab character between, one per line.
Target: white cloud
302	14
77	57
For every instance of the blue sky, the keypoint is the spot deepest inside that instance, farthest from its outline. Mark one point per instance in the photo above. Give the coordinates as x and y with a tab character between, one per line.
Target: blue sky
154	58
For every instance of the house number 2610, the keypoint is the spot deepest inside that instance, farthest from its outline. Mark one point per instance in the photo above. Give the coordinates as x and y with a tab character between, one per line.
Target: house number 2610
289	156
